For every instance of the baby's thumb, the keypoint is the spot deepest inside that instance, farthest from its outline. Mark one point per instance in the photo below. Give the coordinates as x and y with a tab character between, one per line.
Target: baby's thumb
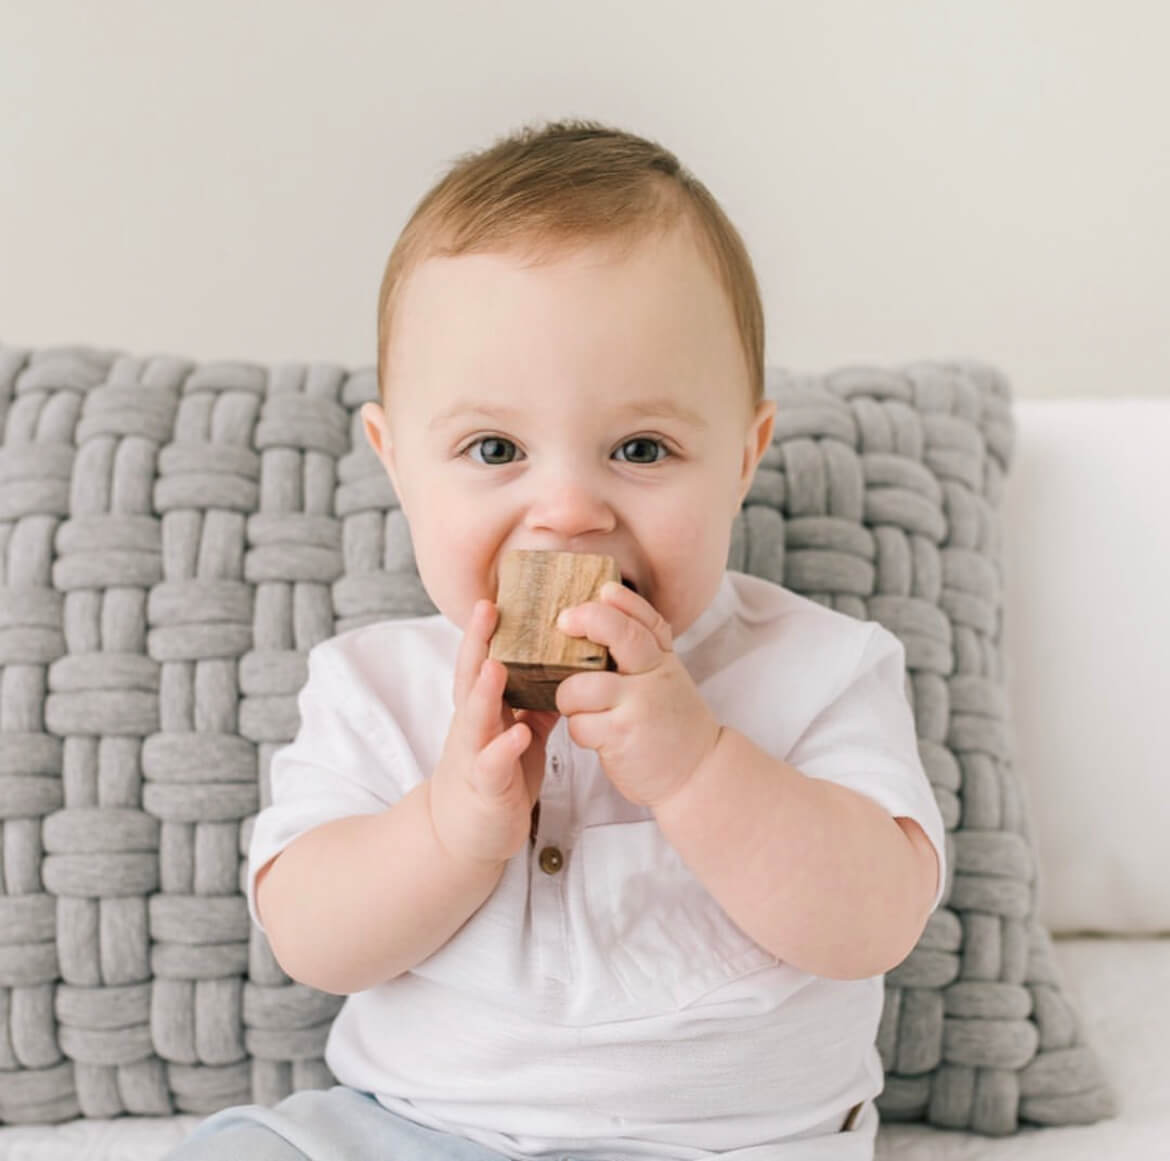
496	764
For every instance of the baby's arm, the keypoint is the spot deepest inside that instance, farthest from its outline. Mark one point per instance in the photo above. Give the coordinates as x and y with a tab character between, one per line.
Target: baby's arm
813	857
359	900
816	873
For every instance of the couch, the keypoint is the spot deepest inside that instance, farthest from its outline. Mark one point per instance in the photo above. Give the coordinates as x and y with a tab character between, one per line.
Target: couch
1086	549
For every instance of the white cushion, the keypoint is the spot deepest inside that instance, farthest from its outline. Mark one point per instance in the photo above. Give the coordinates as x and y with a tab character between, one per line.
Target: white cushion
1087	654
1119	984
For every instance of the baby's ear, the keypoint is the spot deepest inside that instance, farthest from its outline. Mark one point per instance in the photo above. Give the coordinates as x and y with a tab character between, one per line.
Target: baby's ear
759	436
378	436
374	422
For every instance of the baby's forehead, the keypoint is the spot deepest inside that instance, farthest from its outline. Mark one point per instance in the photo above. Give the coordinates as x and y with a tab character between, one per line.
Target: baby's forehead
511	327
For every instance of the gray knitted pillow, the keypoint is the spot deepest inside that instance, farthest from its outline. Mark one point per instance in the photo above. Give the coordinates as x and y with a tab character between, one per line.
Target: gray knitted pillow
174	537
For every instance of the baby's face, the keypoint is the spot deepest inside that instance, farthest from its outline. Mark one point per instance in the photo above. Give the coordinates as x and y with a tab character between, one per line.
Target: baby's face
591	404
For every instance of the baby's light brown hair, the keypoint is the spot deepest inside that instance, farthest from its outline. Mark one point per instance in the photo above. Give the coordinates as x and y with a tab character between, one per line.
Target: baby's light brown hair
544	190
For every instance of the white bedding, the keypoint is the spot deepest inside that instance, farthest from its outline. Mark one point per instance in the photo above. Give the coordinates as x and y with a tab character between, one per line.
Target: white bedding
1120	987
1121	990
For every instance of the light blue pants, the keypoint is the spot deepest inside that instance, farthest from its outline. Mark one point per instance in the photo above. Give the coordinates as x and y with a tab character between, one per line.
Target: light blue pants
335	1124
343	1124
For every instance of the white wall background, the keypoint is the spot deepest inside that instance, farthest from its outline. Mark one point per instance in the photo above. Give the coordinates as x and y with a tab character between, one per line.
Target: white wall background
914	178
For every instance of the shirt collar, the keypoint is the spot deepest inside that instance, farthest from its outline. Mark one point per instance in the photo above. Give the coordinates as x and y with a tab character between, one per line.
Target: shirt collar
711	618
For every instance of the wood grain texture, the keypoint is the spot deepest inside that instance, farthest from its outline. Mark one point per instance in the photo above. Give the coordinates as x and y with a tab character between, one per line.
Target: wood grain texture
534	587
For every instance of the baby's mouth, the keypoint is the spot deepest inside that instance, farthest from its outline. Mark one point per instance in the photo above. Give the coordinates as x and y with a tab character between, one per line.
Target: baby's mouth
629	583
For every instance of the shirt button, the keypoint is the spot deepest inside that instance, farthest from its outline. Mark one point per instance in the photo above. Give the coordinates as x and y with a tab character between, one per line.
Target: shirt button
556	763
551	860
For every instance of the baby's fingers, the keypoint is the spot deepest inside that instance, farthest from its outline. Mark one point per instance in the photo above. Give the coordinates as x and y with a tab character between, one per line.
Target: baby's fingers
482	719
473	649
495	769
496	749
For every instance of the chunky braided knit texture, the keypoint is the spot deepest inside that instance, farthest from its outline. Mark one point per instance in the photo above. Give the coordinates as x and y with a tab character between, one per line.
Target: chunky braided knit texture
175	537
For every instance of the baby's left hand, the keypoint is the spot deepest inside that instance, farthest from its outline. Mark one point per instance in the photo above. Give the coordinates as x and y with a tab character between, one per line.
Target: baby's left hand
648	722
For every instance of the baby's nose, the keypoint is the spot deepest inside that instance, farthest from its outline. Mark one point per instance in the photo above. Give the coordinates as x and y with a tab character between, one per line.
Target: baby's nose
570	507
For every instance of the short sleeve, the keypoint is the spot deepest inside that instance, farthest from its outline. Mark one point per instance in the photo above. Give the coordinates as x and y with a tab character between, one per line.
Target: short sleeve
340	763
865	739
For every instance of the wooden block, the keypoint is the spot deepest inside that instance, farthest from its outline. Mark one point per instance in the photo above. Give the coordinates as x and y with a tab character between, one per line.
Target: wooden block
534	588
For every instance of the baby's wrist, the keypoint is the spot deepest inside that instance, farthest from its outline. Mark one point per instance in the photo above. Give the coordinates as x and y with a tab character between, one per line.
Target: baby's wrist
454	840
697	771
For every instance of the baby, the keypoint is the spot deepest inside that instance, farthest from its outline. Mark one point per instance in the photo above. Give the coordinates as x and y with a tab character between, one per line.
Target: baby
652	923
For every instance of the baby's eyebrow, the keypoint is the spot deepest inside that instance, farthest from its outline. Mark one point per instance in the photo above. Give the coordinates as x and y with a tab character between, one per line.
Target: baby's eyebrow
465	409
662	408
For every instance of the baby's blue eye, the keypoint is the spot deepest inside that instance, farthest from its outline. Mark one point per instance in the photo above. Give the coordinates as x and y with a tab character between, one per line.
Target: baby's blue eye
495	445
646	441
494	442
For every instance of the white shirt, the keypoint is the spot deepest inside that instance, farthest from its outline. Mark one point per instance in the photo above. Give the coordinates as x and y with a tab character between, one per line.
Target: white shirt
611	1009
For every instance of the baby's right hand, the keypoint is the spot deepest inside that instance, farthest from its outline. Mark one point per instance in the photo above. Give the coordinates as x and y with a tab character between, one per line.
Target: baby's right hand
490	773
